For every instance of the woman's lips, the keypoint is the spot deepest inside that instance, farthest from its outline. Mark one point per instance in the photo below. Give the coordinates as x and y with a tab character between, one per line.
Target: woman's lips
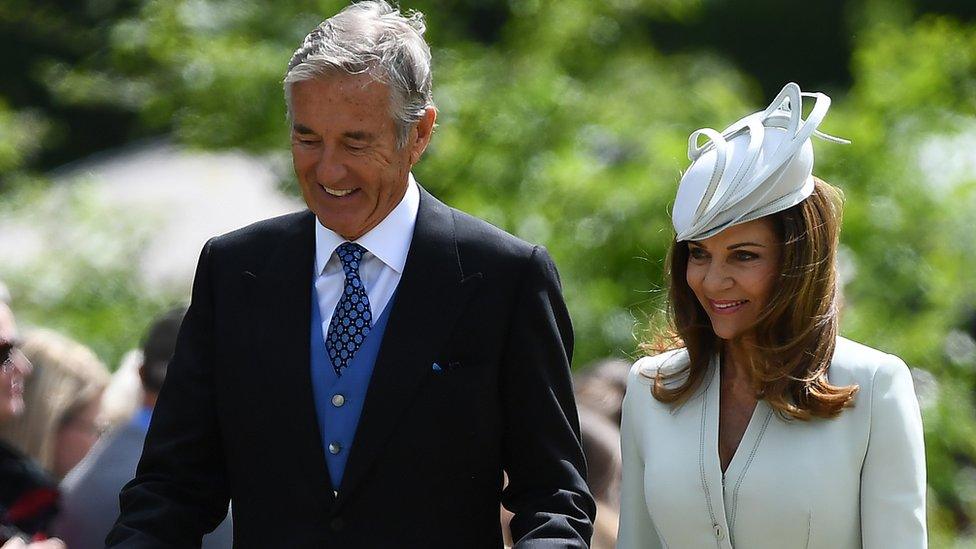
726	306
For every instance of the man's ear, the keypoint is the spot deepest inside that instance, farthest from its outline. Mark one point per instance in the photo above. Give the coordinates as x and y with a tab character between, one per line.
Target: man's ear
424	129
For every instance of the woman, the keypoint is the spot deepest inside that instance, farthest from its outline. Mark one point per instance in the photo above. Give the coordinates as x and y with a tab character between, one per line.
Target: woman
58	426
766	429
27	495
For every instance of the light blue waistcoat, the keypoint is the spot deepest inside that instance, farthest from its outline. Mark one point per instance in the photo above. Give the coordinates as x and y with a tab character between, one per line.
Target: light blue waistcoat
339	400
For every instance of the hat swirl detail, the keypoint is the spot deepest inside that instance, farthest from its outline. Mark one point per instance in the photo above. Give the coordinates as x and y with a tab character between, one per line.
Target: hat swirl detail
761	164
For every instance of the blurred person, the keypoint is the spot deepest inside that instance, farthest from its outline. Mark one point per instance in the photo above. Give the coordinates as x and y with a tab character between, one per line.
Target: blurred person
28	495
15	366
90	492
124	395
18	543
764	428
63	393
601	387
361	374
601	446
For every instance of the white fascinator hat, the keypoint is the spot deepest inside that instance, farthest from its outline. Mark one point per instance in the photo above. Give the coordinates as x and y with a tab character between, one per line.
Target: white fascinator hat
758	166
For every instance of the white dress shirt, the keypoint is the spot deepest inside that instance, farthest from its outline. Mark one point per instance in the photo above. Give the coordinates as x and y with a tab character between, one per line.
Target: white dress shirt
856	481
386	246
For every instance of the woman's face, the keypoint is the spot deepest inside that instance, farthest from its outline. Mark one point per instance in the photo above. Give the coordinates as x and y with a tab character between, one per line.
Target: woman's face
14	368
733	274
76	437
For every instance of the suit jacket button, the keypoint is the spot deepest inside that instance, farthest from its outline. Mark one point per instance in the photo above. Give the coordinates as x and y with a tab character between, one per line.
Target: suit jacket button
337	524
719	534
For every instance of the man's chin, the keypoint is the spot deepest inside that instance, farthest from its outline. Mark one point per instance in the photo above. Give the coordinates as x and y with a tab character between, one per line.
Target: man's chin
347	230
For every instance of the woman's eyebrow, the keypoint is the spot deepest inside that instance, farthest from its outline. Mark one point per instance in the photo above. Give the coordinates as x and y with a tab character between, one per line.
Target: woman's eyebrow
742	244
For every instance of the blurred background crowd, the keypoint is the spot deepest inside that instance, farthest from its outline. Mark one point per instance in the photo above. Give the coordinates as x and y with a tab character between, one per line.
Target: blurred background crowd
132	130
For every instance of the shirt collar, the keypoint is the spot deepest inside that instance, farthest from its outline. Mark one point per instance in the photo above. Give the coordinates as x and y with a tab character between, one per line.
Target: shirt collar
389	241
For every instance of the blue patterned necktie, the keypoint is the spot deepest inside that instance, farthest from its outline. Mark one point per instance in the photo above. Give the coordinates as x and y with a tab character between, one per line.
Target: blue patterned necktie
352	318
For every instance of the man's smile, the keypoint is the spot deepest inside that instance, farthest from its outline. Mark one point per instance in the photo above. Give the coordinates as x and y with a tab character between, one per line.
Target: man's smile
338	193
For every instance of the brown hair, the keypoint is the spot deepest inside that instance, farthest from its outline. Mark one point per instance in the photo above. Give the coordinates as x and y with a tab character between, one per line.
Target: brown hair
794	337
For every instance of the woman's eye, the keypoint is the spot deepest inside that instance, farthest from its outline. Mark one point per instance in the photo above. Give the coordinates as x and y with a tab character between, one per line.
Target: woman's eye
745	256
697	254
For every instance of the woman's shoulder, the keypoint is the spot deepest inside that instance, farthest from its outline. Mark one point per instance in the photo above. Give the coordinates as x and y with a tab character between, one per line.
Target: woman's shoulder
646	369
640	405
854	362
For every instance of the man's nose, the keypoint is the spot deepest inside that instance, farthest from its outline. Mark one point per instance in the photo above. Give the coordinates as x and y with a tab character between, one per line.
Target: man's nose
330	168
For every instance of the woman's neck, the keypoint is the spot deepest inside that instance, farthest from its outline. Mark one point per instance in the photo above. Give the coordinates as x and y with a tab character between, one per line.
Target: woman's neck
737	363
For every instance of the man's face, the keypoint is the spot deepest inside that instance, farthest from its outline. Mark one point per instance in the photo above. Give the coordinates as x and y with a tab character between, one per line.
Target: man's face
14	367
344	149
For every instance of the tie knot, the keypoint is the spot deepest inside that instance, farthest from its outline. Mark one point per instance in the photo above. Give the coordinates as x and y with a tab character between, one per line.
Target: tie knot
350	254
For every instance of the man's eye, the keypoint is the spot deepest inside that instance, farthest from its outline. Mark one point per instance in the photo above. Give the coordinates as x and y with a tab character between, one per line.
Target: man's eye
355	146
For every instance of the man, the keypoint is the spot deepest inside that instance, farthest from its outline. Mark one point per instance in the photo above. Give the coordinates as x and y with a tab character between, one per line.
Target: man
89	493
360	374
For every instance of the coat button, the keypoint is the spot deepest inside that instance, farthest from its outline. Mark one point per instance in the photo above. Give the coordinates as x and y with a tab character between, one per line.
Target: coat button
337	524
719	533
335	448
338	400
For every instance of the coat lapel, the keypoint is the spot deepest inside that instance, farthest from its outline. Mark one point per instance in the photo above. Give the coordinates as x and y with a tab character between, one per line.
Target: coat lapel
282	297
432	292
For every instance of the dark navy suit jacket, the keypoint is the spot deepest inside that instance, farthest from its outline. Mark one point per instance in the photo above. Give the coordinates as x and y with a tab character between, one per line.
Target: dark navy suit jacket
236	419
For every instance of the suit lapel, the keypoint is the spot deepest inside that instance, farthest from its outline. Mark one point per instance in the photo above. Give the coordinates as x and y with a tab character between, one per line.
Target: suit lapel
282	316
432	292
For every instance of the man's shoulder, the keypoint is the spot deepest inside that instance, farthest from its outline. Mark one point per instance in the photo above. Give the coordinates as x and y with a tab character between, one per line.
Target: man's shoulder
265	233
476	236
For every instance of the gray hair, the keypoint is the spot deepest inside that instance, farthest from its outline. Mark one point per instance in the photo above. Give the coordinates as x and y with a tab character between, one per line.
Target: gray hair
4	294
371	37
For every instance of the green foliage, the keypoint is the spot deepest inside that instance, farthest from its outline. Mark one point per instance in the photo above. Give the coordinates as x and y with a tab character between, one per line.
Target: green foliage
21	136
81	274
